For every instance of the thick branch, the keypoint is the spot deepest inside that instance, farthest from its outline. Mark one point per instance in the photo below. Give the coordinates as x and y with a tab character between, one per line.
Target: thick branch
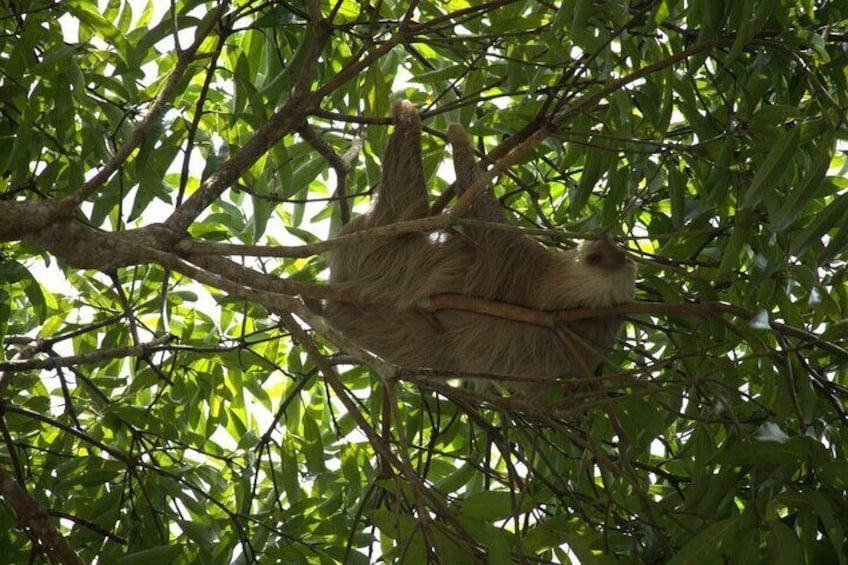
84	247
19	218
36	521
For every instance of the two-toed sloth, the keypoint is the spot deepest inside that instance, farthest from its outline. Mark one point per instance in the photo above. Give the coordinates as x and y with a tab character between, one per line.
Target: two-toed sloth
393	276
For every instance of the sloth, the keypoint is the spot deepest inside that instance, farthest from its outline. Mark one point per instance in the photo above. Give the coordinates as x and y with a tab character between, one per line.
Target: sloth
393	277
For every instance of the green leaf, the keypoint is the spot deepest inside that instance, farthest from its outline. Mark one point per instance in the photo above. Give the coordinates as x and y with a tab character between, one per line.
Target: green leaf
489	506
157	554
750	23
581	12
593	168
834	527
739	240
801	194
201	534
783	545
706	545
772	169
833	214
39	298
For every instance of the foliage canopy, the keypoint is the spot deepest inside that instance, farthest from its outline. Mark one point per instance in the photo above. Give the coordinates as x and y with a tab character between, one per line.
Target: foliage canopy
168	181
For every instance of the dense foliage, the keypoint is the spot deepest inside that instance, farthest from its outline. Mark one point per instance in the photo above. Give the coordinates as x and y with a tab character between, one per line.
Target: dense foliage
169	175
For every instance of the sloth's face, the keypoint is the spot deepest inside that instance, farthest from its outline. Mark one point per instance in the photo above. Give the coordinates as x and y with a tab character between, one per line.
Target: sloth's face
595	274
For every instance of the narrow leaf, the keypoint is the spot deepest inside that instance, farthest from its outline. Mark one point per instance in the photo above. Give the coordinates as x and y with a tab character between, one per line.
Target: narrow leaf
772	169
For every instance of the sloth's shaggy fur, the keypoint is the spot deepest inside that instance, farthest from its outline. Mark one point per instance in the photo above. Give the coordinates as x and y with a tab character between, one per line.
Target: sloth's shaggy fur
392	276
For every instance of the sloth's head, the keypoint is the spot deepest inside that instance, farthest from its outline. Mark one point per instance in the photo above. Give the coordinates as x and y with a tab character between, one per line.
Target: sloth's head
598	273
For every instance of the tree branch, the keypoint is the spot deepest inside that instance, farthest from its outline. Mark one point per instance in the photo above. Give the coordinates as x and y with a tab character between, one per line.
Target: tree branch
88	358
36	521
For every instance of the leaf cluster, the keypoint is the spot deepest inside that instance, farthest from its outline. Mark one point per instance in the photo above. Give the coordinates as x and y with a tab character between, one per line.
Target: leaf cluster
169	176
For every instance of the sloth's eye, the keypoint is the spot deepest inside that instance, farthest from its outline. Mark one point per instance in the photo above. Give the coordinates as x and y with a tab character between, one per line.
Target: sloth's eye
595	259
